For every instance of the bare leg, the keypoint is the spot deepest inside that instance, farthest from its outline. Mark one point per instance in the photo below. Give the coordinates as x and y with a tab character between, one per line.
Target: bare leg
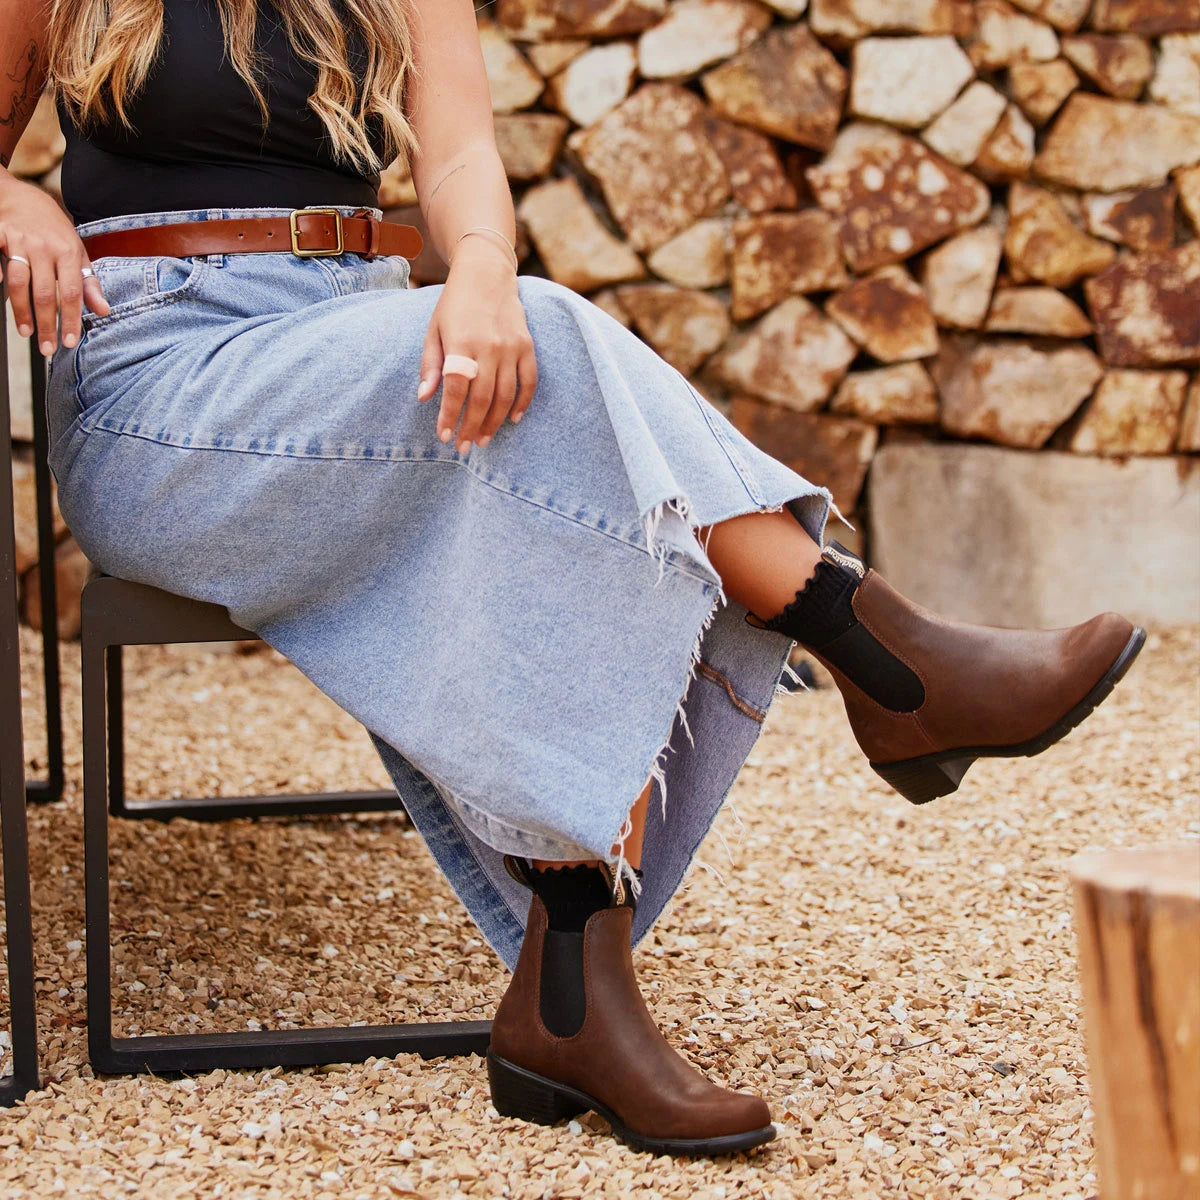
763	558
633	843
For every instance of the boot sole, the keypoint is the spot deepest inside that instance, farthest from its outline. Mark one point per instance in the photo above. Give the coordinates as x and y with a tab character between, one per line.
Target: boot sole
528	1096
920	780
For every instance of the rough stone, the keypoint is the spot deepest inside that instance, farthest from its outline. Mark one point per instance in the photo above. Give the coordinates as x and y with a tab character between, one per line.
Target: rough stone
1176	81
698	257
779	254
1098	144
684	325
847	20
1189	425
1147	17
1041	311
1041	88
1013	392
1004	36
1043	244
1145	309
607	300
535	20
793	355
1143	220
902	394
1008	152
1039	555
71	571
513	83
892	196
41	145
528	143
1066	15
594	83
657	168
396	186
789	8
962	129
696	33
959	276
835	450
786	84
1120	64
887	314
1132	412
24	514
1188	182
549	58
577	250
906	81
756	176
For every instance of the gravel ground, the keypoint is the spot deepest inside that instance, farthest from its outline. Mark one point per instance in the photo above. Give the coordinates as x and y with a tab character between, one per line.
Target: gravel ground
898	982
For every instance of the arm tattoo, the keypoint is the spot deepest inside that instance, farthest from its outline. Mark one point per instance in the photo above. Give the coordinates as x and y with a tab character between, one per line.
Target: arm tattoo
451	172
23	97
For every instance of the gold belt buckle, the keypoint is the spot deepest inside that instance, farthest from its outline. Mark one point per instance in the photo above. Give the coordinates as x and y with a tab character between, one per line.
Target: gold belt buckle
320	252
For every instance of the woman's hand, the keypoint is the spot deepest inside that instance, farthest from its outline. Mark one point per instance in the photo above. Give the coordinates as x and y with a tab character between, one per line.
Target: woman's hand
33	227
480	315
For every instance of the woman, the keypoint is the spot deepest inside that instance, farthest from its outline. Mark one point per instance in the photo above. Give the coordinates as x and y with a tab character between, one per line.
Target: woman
245	408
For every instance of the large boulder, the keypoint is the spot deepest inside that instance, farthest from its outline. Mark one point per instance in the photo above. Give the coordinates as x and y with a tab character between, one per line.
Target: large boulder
892	196
654	162
887	314
906	80
843	21
1132	412
779	254
1103	145
697	33
1005	537
576	249
960	273
786	84
1044	244
902	394
1147	17
1146	311
533	20
1013	392
832	451
684	325
793	355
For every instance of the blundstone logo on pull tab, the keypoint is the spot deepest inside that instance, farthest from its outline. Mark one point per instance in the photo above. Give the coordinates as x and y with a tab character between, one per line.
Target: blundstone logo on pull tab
843	558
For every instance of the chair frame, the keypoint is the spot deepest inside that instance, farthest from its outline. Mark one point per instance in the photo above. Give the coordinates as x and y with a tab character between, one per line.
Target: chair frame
13	829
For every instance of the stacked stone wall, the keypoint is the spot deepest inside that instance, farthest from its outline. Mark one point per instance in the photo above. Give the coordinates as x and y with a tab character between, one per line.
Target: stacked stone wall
866	223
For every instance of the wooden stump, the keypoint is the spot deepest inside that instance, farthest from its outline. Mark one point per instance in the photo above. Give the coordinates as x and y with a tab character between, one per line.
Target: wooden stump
1137	914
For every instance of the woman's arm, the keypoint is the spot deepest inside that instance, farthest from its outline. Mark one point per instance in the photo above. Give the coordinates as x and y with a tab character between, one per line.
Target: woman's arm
460	182
32	225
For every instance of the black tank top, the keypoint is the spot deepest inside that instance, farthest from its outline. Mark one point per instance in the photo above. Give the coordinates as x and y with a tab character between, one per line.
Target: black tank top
199	141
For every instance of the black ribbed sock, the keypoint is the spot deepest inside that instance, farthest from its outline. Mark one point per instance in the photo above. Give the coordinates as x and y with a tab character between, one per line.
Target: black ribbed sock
822	618
571	895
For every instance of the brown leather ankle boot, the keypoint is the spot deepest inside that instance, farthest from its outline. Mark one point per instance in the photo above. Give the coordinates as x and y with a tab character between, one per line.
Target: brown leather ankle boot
572	1034
927	696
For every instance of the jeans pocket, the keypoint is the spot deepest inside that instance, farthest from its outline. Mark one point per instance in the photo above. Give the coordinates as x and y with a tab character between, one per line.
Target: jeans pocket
133	285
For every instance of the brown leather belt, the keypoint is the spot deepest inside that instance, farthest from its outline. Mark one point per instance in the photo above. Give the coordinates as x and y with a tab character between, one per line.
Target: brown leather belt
306	232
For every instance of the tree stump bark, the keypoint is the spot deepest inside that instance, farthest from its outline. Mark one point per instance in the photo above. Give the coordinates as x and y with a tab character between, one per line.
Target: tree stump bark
1137	914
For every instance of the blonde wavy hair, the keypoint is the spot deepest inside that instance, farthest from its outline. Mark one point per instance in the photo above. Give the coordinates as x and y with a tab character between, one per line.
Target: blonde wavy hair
101	51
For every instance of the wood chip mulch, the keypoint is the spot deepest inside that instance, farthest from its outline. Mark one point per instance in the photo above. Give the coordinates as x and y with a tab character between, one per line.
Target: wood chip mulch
898	982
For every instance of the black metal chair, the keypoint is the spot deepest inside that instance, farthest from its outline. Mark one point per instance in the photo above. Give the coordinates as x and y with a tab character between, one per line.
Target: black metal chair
115	614
119	613
23	1077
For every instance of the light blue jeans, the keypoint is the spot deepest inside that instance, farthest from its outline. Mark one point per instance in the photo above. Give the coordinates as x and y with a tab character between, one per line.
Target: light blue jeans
529	631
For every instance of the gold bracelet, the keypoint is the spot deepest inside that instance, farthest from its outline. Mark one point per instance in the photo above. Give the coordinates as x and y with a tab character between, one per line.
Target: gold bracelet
488	229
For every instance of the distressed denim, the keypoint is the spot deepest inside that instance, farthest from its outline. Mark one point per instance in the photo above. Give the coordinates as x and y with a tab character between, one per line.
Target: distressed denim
529	631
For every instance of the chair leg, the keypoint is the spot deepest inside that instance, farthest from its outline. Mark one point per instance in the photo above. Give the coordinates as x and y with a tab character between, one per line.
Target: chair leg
45	791
174	1053
13	830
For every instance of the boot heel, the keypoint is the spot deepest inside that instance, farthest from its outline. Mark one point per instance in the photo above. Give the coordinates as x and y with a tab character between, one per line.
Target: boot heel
529	1097
920	780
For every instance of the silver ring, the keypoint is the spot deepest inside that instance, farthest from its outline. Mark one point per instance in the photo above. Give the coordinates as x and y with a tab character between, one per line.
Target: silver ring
18	258
87	272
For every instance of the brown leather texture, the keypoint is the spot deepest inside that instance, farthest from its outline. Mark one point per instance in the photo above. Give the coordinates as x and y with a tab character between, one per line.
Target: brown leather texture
983	686
315	230
619	1057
